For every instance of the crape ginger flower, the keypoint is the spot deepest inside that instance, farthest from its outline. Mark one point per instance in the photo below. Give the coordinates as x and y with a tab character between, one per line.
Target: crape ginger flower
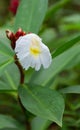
31	52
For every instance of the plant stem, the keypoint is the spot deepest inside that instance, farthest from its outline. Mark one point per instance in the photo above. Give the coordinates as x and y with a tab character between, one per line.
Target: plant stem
20	69
28	127
21	82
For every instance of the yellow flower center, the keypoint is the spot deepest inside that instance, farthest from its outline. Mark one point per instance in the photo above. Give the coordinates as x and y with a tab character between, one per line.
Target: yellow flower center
35	47
34	51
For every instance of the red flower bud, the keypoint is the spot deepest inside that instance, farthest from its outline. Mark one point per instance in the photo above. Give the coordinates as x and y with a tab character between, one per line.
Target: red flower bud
10	35
13	37
13	6
19	33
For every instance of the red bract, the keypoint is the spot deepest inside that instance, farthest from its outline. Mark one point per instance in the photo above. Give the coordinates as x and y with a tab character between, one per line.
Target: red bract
14	36
13	6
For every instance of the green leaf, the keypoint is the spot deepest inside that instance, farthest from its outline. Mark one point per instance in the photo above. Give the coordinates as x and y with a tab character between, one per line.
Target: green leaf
5	50
55	7
4	41
73	40
70	26
43	102
4	65
11	129
10	80
73	18
71	89
9	122
39	124
74	62
6	57
30	15
58	64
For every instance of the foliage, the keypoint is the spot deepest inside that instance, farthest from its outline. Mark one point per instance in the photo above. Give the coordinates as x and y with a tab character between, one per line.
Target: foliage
40	102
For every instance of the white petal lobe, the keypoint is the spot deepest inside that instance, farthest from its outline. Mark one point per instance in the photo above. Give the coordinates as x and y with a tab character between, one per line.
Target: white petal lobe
38	64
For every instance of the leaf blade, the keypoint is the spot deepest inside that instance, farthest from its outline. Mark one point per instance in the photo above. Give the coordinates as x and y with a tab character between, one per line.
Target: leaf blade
9	122
51	108
71	89
6	57
30	15
68	44
58	64
10	80
40	123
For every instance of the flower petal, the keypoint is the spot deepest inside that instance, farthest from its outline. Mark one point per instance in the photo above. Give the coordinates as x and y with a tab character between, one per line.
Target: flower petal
45	56
26	62
32	62
22	55
22	44
38	64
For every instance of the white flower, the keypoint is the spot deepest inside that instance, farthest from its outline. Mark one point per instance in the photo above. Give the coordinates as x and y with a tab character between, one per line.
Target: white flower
31	52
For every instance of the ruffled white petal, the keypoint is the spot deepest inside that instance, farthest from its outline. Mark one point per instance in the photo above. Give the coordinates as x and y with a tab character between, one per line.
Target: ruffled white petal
31	52
45	60
22	55
26	62
35	63
38	64
32	35
22	44
45	56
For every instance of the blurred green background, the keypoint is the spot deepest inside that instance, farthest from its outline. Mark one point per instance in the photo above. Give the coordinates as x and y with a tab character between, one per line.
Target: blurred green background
62	21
